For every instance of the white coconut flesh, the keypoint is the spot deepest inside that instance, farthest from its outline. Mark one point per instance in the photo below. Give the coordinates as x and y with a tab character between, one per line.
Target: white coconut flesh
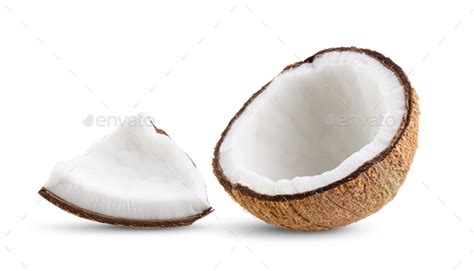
133	173
314	124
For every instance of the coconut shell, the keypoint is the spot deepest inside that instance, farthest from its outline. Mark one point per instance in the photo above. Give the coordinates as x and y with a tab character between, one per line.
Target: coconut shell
362	193
135	223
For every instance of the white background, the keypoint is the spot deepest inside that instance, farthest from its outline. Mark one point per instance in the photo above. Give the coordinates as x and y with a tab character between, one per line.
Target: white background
191	65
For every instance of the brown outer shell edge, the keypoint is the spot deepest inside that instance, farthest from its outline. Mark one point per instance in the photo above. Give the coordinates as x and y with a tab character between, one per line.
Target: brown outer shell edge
135	223
338	205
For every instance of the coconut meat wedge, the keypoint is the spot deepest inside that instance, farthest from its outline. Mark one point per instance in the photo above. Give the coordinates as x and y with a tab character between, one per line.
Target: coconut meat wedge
136	176
327	142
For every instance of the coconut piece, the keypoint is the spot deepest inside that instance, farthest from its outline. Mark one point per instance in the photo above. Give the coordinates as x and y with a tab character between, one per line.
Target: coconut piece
327	142
136	176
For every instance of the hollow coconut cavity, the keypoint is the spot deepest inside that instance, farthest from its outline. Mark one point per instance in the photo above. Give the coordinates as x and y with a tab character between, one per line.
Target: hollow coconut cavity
136	176
327	142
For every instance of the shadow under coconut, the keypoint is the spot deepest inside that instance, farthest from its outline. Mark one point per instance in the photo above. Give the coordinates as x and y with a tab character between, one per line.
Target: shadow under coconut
257	229
245	229
93	227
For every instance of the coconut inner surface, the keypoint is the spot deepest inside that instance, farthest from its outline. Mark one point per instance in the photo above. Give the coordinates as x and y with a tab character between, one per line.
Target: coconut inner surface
133	173
314	125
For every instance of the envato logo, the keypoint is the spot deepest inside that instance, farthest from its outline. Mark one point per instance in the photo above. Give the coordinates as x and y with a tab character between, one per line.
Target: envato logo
357	120
115	121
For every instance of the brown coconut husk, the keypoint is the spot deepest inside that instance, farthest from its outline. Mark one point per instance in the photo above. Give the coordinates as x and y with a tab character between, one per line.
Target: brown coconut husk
350	199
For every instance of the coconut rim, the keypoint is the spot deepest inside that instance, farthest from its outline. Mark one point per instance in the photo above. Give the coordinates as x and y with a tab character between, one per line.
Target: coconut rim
406	118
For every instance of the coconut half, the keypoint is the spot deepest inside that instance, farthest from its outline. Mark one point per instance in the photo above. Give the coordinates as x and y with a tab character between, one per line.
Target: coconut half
327	142
136	176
